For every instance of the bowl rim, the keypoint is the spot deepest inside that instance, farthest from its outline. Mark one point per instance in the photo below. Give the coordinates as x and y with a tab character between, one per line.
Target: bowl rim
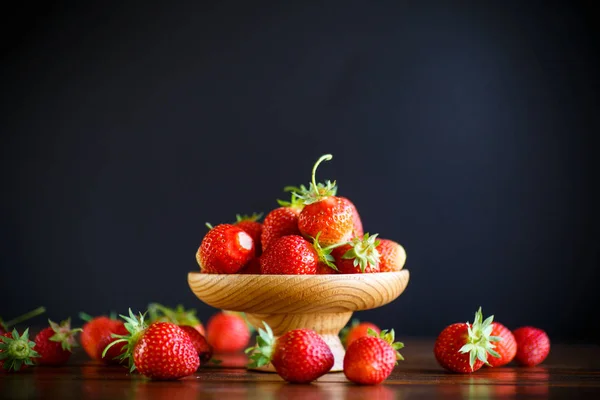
306	277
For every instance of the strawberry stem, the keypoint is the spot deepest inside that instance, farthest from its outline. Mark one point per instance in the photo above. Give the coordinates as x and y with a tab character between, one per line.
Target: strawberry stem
16	350
25	317
479	342
325	157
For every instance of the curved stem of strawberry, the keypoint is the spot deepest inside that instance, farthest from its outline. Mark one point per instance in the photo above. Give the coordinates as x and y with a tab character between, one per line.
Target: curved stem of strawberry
25	317
325	157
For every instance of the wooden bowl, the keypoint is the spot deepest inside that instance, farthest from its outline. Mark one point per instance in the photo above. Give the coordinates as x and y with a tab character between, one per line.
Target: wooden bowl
323	303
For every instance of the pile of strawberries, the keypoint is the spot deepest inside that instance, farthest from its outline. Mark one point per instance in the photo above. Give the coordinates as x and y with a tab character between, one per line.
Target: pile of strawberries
316	232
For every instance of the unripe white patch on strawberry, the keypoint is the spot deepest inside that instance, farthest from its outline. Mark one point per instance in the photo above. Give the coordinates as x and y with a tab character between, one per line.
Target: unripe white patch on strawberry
245	240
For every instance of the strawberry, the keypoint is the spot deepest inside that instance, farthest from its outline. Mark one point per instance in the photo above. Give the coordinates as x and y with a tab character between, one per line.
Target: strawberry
360	255
392	256
282	221
294	255
5	326
204	350
252	267
16	352
54	343
356	330
533	345
250	225
114	353
324	269
464	347
178	316
325	213
299	356
227	332
161	351
97	334
356	221
506	347
224	250
369	360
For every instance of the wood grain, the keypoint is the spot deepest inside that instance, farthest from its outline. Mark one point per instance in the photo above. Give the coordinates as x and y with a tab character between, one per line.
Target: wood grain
323	303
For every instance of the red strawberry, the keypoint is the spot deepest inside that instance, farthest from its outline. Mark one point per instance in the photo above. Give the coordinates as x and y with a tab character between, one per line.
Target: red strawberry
250	225
391	255
356	221
224	250
506	347
360	255
324	269
533	345
5	326
178	316
97	334
369	360
324	213
357	330
161	351
16	352
299	356
54	343
463	347
294	255
282	221
204	350
252	267
114	353
227	332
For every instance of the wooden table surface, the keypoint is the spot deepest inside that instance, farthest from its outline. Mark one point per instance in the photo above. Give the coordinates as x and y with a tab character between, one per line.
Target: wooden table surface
570	371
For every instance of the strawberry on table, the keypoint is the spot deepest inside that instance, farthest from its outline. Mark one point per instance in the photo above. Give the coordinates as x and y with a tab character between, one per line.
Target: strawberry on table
5	326
204	349
392	256
506	347
533	345
250	225
178	315
16	351
161	351
282	221
464	347
360	255
369	360
225	249
324	212
298	356
357	330
54	344
227	332
96	335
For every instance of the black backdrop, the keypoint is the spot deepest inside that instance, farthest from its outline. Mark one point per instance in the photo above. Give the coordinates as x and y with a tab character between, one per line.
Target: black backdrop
466	132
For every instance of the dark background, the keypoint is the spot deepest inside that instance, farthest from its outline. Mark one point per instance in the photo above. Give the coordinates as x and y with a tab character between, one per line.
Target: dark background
466	132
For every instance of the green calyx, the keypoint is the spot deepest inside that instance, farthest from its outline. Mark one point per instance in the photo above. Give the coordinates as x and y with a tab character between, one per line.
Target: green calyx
178	315
17	351
5	325
263	350
316	191
324	253
63	334
479	342
136	326
363	251
389	337
253	218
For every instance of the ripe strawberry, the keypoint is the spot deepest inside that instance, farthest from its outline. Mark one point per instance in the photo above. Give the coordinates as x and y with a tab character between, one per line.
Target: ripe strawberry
533	345
97	334
282	221
114	353
325	213
225	249
204	350
506	347
16	352
227	332
299	356
252	267
463	347
250	225
161	351
369	360
5	326
324	269
178	316
356	221
294	255
392	256
357	330
360	255
54	343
